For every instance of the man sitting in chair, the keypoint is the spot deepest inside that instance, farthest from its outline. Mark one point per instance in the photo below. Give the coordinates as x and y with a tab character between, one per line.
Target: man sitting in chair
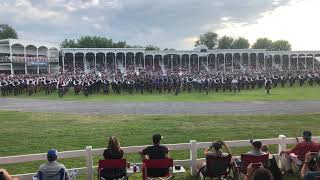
311	167
52	168
256	149
156	151
298	152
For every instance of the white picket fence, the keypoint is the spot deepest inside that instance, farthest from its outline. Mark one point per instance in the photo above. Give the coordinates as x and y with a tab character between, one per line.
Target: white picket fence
192	146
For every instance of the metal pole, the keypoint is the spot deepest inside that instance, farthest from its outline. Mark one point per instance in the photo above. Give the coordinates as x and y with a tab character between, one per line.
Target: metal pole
25	61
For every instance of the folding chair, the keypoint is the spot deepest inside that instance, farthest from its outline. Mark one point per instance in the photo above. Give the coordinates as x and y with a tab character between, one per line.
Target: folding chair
158	165
216	167
248	159
112	169
60	175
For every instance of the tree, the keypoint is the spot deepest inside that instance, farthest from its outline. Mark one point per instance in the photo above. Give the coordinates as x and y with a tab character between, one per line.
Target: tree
281	45
92	42
7	32
225	42
240	43
152	48
262	43
210	39
69	43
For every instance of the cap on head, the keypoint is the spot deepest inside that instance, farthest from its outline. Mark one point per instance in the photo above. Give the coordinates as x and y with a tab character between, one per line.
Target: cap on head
156	138
257	144
52	153
217	145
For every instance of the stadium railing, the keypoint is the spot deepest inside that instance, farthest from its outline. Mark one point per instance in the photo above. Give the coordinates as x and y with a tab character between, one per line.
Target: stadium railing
193	146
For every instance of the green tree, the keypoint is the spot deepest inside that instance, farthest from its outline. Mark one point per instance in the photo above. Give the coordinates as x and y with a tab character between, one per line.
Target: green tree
92	42
281	45
7	32
69	43
225	42
240	43
262	43
152	48
210	39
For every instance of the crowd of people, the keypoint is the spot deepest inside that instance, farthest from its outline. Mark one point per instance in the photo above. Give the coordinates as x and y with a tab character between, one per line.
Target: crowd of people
149	81
304	156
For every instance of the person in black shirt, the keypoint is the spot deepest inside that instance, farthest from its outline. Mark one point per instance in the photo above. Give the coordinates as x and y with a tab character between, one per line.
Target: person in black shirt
113	151
156	151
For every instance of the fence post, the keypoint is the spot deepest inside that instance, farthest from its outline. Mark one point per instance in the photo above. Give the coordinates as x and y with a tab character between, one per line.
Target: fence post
89	163
193	157
283	144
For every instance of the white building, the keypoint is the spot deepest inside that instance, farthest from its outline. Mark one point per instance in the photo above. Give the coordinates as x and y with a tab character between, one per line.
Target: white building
27	57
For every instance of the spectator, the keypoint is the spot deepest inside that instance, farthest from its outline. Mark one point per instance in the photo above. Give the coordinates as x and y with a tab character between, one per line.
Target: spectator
259	173
156	151
311	166
298	152
256	149
215	150
52	167
113	151
4	175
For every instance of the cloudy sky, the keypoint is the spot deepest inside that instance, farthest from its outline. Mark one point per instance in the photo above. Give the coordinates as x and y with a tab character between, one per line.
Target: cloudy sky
165	23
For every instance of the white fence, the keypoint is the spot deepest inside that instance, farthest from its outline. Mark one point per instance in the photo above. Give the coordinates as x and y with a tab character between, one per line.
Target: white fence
193	146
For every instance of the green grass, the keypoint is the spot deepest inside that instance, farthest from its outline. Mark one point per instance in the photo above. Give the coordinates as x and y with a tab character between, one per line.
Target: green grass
26	133
277	94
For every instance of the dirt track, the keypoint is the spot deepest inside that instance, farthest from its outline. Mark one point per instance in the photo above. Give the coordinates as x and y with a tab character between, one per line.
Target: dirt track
161	108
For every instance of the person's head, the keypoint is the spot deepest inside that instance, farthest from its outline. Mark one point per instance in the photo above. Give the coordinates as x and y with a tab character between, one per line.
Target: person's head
217	145
52	155
262	174
156	138
307	135
113	144
257	145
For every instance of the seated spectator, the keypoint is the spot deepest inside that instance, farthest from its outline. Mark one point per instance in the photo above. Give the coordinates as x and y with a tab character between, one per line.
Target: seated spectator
113	151
256	149
298	152
274	168
258	173
52	167
215	150
156	151
4	175
311	167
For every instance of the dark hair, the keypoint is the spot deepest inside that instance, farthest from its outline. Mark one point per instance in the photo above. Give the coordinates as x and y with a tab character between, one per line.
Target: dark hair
114	144
262	174
257	144
52	158
156	138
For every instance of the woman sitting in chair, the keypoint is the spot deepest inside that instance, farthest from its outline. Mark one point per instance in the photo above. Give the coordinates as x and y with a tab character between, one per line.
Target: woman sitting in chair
113	151
215	150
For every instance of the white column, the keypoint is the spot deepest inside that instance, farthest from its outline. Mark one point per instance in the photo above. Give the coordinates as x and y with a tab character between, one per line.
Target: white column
224	63
84	62
313	63
115	66
125	63
216	62
289	57
297	62
89	162
105	62
193	157
208	62
38	69
25	60
180	58
198	63
272	61
74	63
95	62
49	70
281	62
144	61
189	63
134	61
305	62
264	62
171	63
232	58
11	65
63	62
257	60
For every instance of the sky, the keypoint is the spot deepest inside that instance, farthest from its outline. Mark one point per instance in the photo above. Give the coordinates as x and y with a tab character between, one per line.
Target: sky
167	23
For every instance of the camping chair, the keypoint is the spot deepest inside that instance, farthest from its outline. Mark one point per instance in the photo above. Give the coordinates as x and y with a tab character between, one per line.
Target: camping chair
152	164
60	175
112	169
248	159
217	167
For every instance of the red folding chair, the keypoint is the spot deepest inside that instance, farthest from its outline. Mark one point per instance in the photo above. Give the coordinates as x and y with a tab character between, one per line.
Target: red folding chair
216	167
158	165
248	159
112	169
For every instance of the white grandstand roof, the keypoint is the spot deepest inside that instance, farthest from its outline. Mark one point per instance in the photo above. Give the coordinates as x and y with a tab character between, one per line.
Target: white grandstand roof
26	43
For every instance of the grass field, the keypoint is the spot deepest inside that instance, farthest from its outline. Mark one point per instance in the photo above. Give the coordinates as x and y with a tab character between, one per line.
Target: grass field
25	133
277	94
